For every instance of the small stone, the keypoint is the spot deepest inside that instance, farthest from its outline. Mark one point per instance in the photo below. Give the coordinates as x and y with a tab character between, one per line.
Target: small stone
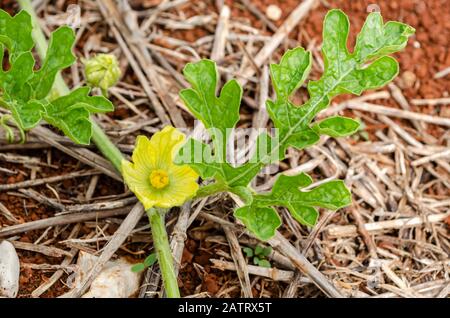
9	270
116	280
273	12
408	79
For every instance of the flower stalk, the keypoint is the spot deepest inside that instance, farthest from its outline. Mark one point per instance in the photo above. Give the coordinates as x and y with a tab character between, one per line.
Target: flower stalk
161	243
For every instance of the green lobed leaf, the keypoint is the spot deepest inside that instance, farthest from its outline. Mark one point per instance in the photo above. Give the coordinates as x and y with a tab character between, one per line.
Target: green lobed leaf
75	123
71	113
14	81
16	92
301	204
377	39
349	72
28	114
15	33
261	221
219	114
59	56
367	68
292	71
337	126
287	77
80	98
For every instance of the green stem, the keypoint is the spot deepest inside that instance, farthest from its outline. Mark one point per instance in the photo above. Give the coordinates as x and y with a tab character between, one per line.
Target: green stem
4	124
106	146
4	104
9	132
211	189
161	244
110	151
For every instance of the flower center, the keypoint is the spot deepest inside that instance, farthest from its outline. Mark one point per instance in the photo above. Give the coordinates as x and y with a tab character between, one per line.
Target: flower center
159	179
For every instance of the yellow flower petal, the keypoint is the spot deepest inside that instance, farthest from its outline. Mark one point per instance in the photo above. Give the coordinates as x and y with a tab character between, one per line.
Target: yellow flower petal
166	142
144	155
155	157
137	183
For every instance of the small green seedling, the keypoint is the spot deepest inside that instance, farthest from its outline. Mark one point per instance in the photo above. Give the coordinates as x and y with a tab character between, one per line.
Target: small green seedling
27	92
259	255
149	261
361	133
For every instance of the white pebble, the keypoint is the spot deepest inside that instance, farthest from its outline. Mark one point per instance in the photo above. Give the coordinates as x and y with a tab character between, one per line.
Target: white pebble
116	280
408	79
273	12
9	270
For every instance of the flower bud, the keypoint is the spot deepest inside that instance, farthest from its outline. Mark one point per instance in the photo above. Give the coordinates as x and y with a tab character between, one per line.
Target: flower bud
102	71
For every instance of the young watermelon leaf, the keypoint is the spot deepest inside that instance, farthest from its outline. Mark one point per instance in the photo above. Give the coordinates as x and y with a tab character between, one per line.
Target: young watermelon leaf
286	192
25	92
261	218
337	126
368	67
74	122
292	71
15	33
27	114
59	56
219	115
261	221
80	98
288	76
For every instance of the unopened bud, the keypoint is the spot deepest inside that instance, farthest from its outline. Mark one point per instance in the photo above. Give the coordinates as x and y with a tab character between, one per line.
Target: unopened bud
102	71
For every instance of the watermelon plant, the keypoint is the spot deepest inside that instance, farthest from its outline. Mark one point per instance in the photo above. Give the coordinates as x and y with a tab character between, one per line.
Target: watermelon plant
368	66
164	169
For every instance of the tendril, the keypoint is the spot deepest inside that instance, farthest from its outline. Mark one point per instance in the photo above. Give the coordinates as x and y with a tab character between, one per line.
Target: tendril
10	137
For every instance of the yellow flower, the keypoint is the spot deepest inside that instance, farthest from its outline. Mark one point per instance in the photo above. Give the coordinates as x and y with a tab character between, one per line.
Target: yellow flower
153	177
